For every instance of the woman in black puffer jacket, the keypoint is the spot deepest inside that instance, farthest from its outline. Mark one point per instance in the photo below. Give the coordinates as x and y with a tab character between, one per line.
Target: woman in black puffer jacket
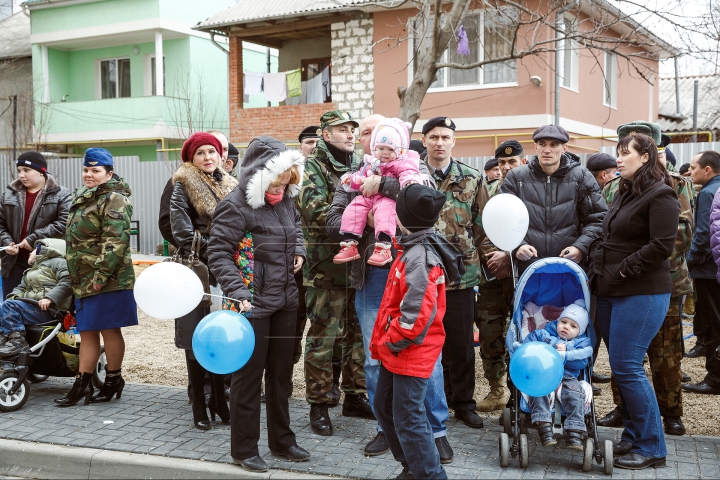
270	176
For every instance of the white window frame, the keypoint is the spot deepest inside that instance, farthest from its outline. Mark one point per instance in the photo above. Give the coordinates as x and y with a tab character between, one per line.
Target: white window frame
610	76
457	88
147	74
574	57
98	77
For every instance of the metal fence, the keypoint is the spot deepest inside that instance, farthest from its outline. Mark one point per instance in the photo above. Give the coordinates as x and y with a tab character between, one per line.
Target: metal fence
146	179
684	152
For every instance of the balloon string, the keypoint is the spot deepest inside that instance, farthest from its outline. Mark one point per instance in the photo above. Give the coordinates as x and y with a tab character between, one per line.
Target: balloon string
222	296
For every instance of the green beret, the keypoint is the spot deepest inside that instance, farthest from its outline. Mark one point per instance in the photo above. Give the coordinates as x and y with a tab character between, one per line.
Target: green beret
652	130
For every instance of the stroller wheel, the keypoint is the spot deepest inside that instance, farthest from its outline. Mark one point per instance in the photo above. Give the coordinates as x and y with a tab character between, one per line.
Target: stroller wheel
588	454
10	403
524	451
98	378
608	454
504	444
507	421
36	378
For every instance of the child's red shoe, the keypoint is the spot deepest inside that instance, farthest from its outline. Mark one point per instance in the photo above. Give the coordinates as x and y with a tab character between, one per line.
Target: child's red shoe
348	252
381	255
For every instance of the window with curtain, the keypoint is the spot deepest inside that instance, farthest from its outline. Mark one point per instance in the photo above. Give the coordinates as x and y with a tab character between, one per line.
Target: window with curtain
610	80
490	35
115	78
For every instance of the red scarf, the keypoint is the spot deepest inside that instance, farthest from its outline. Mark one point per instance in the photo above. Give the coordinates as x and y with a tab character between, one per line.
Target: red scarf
273	198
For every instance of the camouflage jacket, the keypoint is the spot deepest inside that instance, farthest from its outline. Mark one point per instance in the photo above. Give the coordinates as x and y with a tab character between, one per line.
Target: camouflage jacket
98	239
320	179
682	285
461	217
48	277
494	187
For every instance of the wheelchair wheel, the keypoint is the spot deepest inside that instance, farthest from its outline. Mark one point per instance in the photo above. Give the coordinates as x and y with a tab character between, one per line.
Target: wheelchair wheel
608	457
524	451
588	454
98	378
10	403
504	444
37	378
507	421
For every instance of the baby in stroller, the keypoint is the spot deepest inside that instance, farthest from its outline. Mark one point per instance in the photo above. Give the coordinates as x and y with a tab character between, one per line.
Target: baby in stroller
567	336
47	282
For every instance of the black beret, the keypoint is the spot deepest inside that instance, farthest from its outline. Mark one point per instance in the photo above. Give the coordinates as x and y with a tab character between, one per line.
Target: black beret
551	132
492	163
417	146
438	122
665	140
600	161
233	151
509	148
309	132
684	168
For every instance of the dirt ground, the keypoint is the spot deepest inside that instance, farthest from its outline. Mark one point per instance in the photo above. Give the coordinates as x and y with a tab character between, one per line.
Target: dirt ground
151	357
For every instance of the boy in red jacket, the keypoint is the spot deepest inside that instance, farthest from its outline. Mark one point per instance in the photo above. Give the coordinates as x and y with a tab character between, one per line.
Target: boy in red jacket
409	334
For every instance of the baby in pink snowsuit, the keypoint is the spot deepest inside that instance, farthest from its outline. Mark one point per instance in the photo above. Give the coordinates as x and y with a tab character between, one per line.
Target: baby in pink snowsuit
389	144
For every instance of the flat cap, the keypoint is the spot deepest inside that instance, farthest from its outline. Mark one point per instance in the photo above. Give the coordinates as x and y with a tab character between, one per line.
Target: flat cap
337	117
312	131
650	129
492	163
600	161
445	122
509	148
551	132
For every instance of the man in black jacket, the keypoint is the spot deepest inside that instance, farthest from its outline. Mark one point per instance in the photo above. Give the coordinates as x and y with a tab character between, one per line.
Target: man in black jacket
563	199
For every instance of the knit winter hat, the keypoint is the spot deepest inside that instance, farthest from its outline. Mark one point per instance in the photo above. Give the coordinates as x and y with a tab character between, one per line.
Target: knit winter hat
34	160
393	133
196	141
577	314
418	206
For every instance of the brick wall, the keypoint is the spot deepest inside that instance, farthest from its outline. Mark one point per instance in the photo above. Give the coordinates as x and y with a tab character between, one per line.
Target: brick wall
283	123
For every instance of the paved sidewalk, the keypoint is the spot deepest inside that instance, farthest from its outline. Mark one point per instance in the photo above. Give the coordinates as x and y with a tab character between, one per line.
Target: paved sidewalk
157	420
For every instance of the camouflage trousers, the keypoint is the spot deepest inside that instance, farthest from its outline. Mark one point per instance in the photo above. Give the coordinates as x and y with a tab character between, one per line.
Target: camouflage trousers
333	323
492	310
665	354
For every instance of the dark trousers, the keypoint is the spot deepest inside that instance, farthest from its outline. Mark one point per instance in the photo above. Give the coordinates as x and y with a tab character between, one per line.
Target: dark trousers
400	409
274	342
301	317
458	355
707	308
13	280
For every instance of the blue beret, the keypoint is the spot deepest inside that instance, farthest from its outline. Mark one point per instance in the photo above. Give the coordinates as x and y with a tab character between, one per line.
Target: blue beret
98	157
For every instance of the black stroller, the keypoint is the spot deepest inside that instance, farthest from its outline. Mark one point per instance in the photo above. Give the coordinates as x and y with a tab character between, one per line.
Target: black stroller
54	352
555	282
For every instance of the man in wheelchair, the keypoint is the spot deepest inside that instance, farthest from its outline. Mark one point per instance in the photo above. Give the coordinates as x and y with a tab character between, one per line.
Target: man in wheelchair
47	282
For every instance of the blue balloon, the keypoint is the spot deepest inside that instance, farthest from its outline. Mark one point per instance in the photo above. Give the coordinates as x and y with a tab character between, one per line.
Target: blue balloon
223	342
536	369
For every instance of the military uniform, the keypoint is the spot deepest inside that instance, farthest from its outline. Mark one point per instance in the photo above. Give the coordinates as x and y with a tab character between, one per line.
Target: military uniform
329	298
665	351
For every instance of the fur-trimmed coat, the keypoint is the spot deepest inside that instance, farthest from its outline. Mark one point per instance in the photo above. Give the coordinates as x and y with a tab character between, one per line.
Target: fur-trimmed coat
276	230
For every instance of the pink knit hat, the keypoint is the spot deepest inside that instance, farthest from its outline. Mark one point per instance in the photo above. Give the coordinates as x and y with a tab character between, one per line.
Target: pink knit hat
393	133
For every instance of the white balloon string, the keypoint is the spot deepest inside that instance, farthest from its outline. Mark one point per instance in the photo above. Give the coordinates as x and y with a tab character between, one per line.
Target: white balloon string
222	296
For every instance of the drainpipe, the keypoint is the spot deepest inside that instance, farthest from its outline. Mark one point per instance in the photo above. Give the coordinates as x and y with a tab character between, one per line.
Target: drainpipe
558	43
677	89
695	111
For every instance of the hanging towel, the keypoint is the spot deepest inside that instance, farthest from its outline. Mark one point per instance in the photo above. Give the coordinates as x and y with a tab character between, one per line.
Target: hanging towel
253	83
326	84
275	85
315	90
293	83
301	99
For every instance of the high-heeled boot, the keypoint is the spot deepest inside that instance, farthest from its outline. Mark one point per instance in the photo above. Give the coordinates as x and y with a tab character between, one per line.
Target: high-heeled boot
217	403
81	388
113	385
197	383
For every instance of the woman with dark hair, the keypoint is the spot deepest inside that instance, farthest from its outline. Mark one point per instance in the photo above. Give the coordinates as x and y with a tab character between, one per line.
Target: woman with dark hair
631	271
100	266
198	186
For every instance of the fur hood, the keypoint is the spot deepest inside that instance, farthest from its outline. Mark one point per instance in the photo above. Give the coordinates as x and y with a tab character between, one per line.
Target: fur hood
204	191
264	161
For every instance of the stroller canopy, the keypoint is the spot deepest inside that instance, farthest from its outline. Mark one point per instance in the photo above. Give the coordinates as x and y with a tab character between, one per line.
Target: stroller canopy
552	281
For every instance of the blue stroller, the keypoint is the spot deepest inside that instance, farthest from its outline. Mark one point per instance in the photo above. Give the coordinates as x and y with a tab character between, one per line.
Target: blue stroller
552	283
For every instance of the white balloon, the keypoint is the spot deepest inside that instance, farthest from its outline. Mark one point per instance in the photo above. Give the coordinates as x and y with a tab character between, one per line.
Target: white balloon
505	220
168	290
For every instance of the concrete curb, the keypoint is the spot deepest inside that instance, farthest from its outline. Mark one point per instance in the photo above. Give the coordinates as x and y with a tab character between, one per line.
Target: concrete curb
42	460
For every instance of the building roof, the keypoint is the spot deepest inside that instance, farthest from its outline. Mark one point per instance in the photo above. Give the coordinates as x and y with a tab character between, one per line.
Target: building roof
708	103
15	36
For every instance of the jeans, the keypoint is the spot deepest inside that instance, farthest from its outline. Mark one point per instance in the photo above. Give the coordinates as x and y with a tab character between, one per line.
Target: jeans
628	325
572	399
367	304
400	410
15	314
15	276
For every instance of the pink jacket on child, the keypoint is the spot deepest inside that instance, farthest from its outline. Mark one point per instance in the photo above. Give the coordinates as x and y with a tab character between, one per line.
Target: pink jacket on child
404	168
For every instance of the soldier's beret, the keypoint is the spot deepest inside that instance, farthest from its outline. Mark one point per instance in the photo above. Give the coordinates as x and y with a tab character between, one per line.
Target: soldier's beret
684	168
233	154
670	157
492	163
600	161
445	122
650	129
665	140
312	131
98	157
509	148
551	132
336	117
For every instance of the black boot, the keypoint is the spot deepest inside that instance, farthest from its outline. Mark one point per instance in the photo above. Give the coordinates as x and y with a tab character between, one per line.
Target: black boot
612	419
320	419
197	383
113	385
357	405
217	403
81	388
545	432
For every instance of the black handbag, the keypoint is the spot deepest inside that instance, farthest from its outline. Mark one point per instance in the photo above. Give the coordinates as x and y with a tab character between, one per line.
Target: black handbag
199	268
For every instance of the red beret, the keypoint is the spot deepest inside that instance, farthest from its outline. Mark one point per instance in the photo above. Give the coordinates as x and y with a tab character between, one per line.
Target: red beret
196	141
